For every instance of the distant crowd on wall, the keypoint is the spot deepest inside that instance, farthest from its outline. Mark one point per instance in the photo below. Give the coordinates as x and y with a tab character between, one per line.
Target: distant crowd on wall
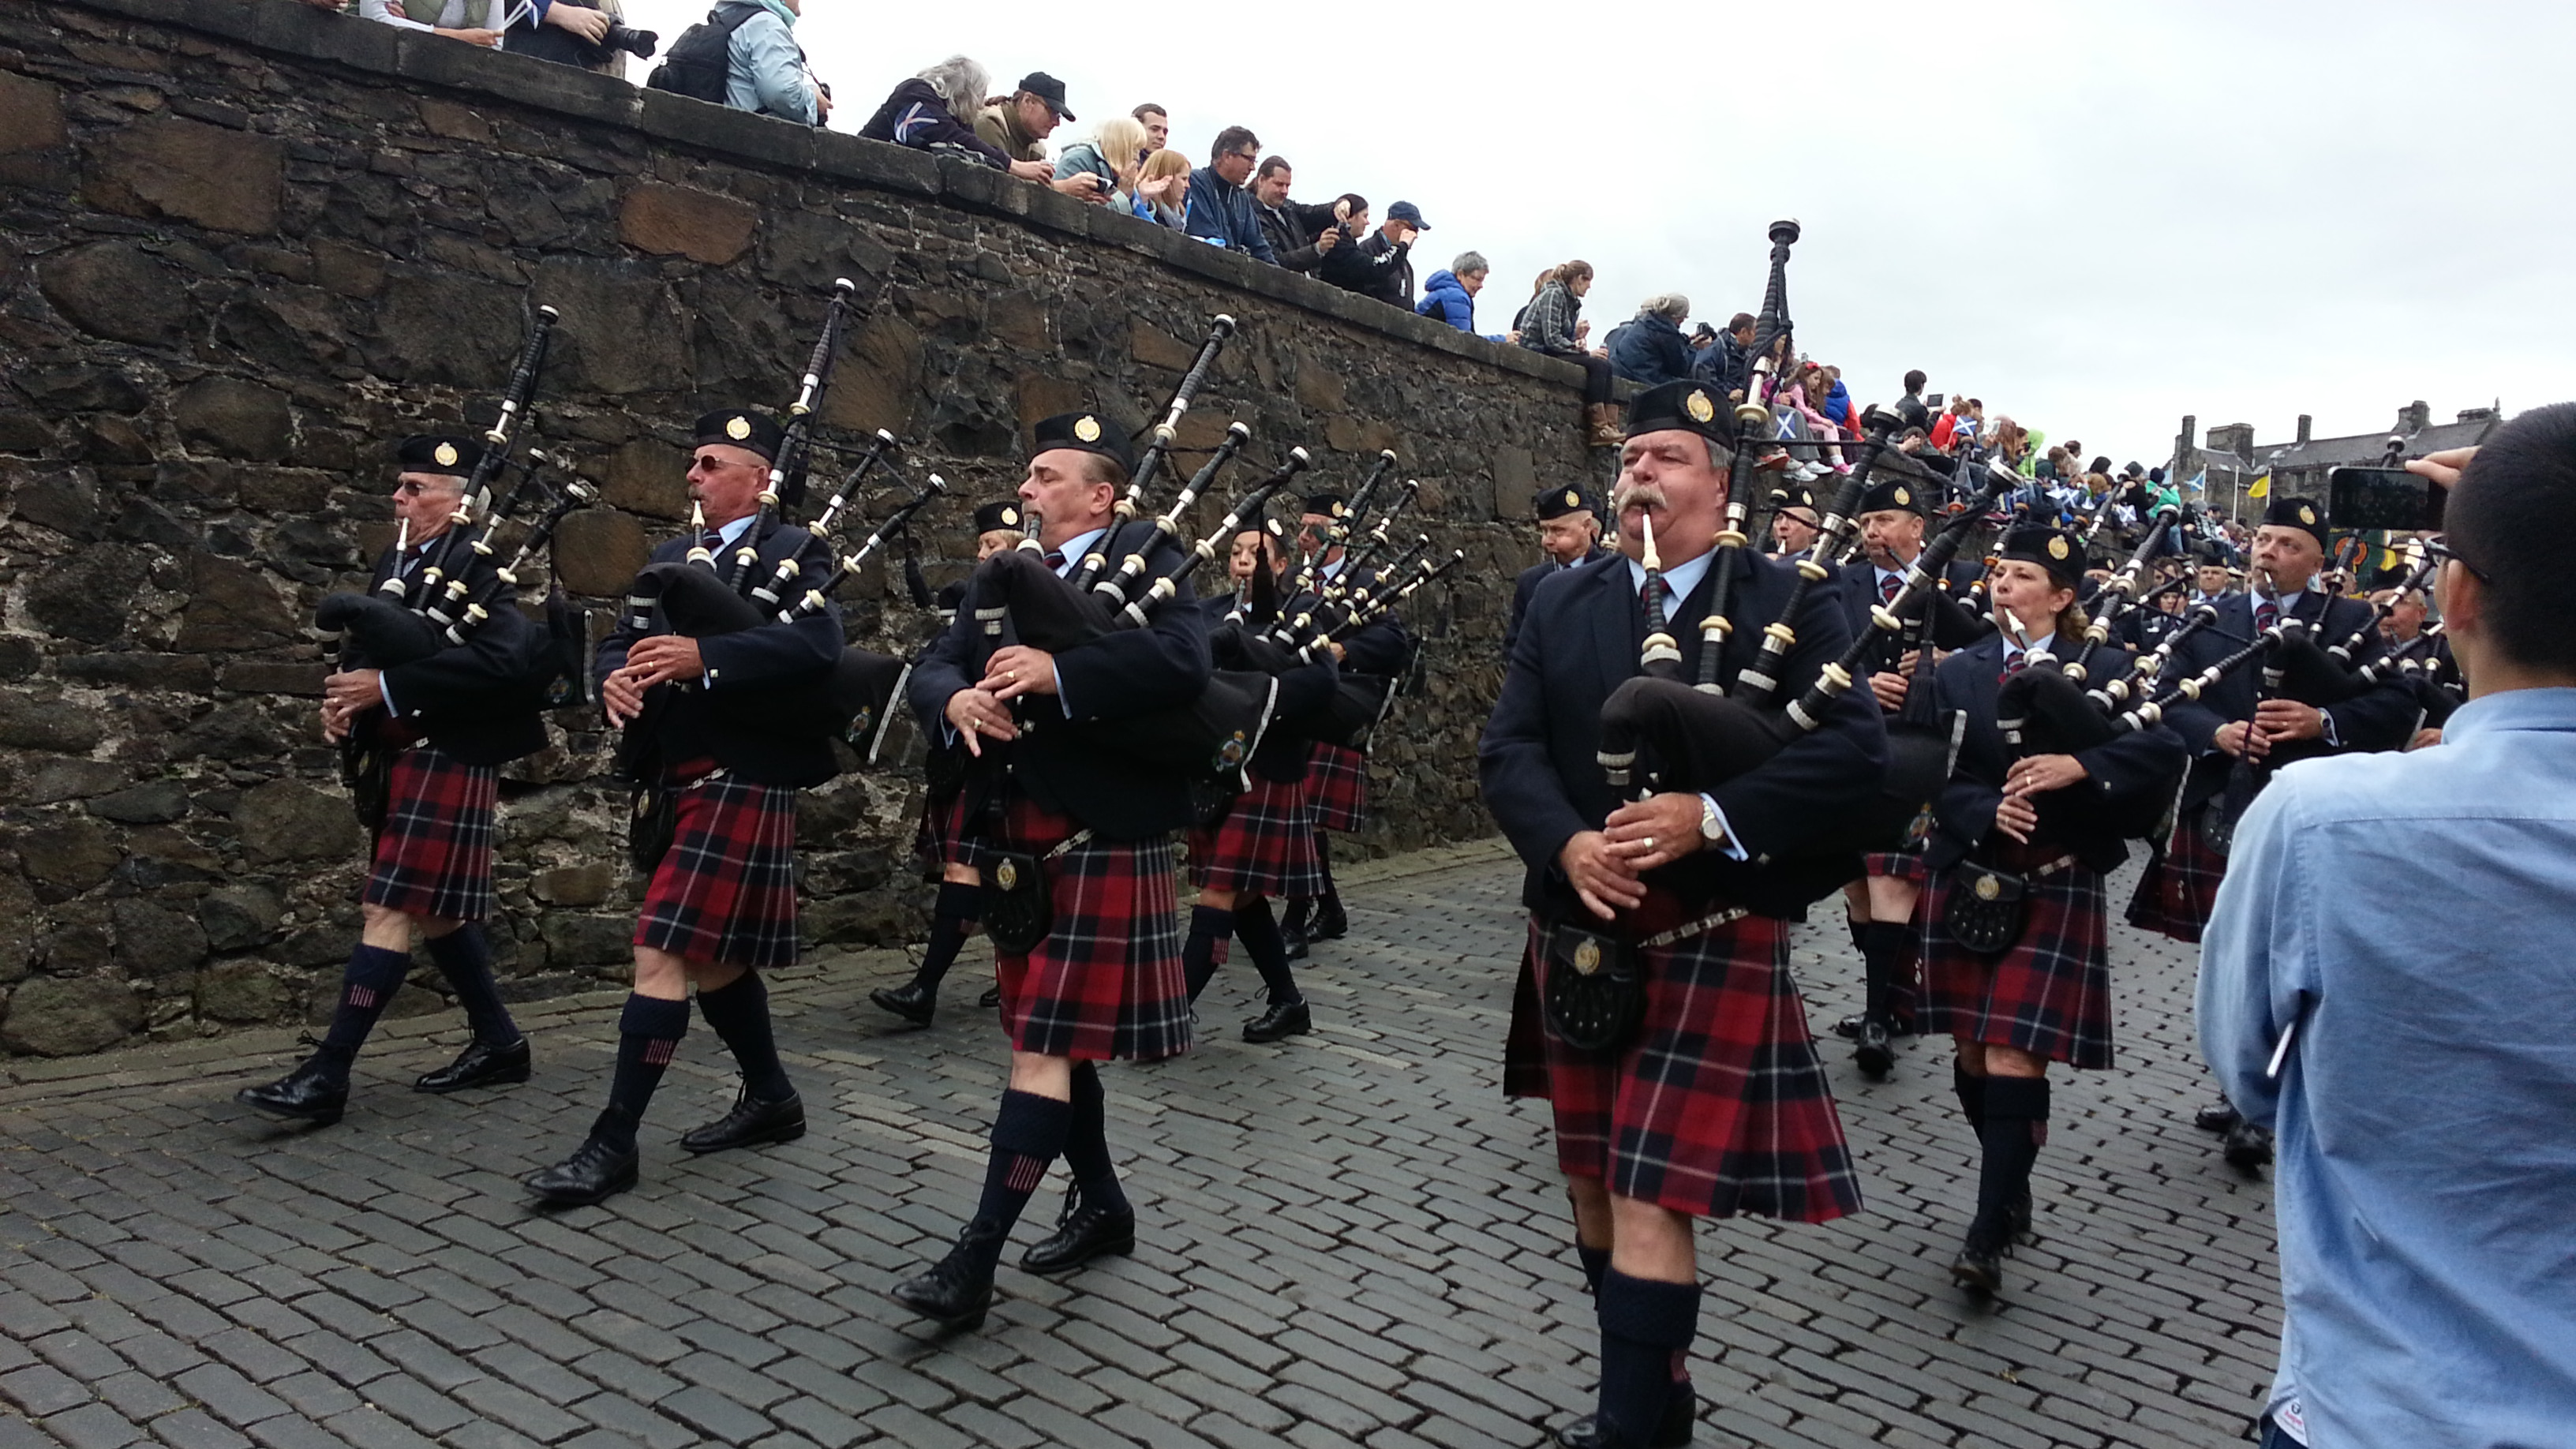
745	56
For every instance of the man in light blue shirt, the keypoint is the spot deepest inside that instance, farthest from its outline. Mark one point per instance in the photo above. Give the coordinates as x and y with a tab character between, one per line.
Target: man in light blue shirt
2387	980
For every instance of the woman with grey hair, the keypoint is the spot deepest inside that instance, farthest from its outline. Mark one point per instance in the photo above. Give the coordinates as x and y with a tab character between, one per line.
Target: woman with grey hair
924	113
1650	347
1450	296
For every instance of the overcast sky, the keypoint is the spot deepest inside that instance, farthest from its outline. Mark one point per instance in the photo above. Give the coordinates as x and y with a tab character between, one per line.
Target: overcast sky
2096	218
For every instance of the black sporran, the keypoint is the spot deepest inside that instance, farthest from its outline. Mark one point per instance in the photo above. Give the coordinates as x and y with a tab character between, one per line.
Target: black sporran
653	825
1985	909
368	771
1019	911
1595	989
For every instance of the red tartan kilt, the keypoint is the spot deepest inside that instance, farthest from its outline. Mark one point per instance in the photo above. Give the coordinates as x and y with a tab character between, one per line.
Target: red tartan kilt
434	855
1525	1045
1904	865
940	840
726	889
1720	1106
2180	883
1264	845
1106	984
2048	994
1337	788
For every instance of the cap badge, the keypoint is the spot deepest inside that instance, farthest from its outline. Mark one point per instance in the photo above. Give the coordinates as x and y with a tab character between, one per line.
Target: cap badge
737	427
1087	428
2056	547
1010	518
1573	499
2307	515
1903	498
445	453
1699	407
1587	957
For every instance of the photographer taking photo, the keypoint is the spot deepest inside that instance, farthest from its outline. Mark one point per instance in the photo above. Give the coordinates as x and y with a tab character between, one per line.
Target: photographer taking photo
2385	981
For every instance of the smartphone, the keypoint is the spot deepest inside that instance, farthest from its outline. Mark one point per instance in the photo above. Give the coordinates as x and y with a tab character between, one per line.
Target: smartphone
2389	498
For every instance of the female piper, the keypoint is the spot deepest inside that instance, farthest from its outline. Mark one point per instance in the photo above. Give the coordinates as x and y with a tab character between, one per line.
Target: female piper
2036	830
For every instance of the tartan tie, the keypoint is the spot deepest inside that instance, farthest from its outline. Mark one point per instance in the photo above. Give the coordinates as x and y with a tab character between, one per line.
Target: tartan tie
2266	614
1054	560
2016	662
1889	586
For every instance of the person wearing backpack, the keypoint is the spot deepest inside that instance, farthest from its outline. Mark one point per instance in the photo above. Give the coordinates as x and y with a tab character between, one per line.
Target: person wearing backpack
744	55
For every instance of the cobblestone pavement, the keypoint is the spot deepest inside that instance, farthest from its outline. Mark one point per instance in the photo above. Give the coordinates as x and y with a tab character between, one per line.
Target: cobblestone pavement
1350	1240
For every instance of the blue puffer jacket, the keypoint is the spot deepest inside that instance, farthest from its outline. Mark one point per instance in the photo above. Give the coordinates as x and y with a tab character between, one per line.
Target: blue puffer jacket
1445	299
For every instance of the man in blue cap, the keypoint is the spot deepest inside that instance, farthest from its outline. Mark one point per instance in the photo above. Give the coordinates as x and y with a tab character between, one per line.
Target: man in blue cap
1381	266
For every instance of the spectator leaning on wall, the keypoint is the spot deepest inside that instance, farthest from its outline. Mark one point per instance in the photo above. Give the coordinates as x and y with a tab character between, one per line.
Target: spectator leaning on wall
1219	209
1018	124
1649	347
1450	296
1299	235
745	55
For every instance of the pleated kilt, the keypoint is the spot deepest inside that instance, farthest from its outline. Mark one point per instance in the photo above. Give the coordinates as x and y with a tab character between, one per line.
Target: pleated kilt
1106	984
2180	883
1719	1106
1264	845
1525	1043
1904	865
726	889
2049	993
434	856
940	839
1337	788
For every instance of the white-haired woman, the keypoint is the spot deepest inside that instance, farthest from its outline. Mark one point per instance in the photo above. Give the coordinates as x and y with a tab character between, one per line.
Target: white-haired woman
924	113
1650	348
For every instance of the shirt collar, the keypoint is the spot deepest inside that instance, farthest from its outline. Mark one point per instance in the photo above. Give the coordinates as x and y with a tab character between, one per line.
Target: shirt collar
1075	547
2038	645
2552	709
1679	579
732	532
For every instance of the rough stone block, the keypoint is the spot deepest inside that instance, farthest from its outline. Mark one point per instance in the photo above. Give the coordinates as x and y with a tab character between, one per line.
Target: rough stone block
42	721
241	991
236	418
17	928
646	476
173	167
598	550
700	225
153	939
238	917
231	606
118	291
31	114
154	802
49	1017
879	381
574	940
288	820
72	854
621	332
575	885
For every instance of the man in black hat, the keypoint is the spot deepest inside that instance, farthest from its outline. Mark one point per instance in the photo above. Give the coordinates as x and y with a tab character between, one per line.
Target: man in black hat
1714	1104
1880	905
1019	124
2237	737
1337	776
717	758
430	735
1796	522
1569	533
943	842
1104	982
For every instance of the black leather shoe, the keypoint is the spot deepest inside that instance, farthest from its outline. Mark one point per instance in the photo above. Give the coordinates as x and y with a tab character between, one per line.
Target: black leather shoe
956	1291
1081	1234
1298	950
1979	1268
2218	1116
912	1001
316	1092
750	1123
2020	1216
1875	1054
1849	1027
481	1064
1282	1020
1328	923
1673	1433
992	997
594	1173
1294	921
2248	1147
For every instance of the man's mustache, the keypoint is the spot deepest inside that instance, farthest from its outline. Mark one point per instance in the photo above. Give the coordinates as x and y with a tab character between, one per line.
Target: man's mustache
1647	495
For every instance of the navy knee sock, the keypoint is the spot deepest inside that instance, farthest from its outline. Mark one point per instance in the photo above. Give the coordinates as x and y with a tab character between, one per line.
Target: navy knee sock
740	1015
1211	930
1882	954
373	976
1086	1143
648	1035
1972	1096
2016	1121
1028	1133
1260	933
1646	1332
1595	1261
464	957
952	916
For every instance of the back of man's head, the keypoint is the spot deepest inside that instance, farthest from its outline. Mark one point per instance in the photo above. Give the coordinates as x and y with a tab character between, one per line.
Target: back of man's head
2510	517
1914	380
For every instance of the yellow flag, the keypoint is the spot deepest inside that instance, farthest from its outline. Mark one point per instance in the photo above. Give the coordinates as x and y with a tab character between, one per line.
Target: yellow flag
2262	487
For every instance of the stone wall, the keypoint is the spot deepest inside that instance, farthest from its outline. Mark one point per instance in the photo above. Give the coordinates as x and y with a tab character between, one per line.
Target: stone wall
243	243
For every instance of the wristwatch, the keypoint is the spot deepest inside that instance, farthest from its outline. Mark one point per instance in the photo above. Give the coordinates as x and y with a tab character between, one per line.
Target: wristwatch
1712	826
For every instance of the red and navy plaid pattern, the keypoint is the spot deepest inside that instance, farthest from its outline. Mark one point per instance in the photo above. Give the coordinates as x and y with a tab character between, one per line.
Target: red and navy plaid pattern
1264	845
2049	994
1719	1106
1337	788
726	889
1106	984
434	856
2180	884
941	838
1525	1045
1904	865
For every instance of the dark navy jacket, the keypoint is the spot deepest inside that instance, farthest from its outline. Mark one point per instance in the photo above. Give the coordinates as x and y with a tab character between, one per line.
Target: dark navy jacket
738	718
1953	627
2382	719
1579	641
1527	585
478	701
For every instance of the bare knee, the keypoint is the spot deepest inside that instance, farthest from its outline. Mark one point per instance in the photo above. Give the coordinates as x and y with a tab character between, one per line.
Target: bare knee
660	975
1042	1076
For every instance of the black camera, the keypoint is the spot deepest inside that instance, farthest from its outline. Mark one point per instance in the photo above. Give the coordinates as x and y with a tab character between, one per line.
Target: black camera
638	43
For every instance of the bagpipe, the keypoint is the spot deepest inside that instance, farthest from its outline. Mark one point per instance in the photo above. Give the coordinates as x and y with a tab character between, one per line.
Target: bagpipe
699	597
1087	575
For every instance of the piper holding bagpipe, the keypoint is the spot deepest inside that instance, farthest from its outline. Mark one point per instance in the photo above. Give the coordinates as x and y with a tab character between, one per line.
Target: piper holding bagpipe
718	747
1081	901
1691	1088
432	727
1336	781
1569	533
943	843
1879	906
2014	939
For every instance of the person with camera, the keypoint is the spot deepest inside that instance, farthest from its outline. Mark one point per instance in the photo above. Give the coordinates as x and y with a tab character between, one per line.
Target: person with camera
1018	124
1300	236
1379	265
2404	1031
